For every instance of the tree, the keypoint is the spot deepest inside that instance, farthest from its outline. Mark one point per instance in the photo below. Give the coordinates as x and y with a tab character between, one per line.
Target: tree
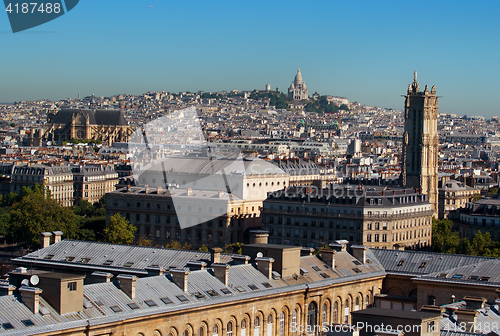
34	213
119	230
443	239
144	241
203	248
344	107
177	245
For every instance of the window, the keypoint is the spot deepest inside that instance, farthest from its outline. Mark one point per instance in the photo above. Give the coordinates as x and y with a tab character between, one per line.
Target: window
198	295
150	303
401	262
225	291
267	285
133	306
28	323
128	264
229	329
376	238
212	293
253	287
48	256
7	326
369	238
116	309
282	323
107	262
69	258
166	300
85	260
72	286
215	330
182	298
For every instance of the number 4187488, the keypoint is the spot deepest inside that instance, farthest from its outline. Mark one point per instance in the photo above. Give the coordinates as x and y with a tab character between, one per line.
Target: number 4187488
34	7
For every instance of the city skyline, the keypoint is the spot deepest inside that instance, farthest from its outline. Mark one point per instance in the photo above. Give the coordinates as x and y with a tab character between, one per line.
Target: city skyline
366	52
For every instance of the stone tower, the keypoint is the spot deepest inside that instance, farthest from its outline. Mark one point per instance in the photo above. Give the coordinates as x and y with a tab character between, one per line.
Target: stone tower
419	164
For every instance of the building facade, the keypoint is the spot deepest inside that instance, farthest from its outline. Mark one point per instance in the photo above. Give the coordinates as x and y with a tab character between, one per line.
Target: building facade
481	215
108	126
419	165
298	89
91	182
453	196
371	216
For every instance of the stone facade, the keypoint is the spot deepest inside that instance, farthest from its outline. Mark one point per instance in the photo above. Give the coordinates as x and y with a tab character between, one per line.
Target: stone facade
419	166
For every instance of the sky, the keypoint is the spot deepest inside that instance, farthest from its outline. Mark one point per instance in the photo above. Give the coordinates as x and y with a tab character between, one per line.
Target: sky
363	50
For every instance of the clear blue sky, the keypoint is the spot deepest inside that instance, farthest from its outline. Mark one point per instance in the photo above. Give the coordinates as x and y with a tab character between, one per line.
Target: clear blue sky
364	50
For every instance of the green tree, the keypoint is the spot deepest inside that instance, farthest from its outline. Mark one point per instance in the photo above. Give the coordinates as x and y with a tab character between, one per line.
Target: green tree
443	238
203	248
34	213
177	245
144	241
119	230
344	107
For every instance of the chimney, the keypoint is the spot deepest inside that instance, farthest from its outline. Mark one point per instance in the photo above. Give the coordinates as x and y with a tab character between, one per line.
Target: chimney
474	302
146	187
240	260
221	272
6	289
189	192
31	298
399	247
196	265
57	236
158	190
359	252
180	278
155	270
221	193
328	257
339	245
306	251
467	316
215	255
127	284
265	266
45	239
259	237
101	277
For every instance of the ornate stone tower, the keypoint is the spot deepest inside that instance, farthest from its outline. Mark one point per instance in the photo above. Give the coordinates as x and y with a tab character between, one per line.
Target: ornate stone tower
419	164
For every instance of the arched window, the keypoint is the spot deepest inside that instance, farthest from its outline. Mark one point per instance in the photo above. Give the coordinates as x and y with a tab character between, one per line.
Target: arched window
282	323
229	331
311	314
367	302
186	333
215	330
270	325
256	327
201	332
356	306
324	313
335	312
244	327
346	312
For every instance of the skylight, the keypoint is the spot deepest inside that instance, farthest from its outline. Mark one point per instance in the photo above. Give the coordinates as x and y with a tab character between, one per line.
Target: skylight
473	277
401	262
316	268
107	262
128	264
458	276
182	298
356	262
324	275
69	258
241	289
253	287
28	323
133	306
357	270
226	291
267	285
115	309
150	303
423	264
484	279
198	295
48	256
442	275
166	300
85	260
7	326
212	293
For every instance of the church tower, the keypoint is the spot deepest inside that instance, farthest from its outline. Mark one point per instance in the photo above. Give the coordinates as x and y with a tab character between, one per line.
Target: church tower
419	164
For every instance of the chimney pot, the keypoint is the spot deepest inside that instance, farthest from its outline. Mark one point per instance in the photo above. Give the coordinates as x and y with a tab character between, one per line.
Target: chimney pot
100	277
221	272
127	284
265	266
57	236
31	298
328	257
180	278
45	239
215	254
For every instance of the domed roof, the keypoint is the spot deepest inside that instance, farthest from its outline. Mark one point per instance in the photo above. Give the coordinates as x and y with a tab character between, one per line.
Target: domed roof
298	78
